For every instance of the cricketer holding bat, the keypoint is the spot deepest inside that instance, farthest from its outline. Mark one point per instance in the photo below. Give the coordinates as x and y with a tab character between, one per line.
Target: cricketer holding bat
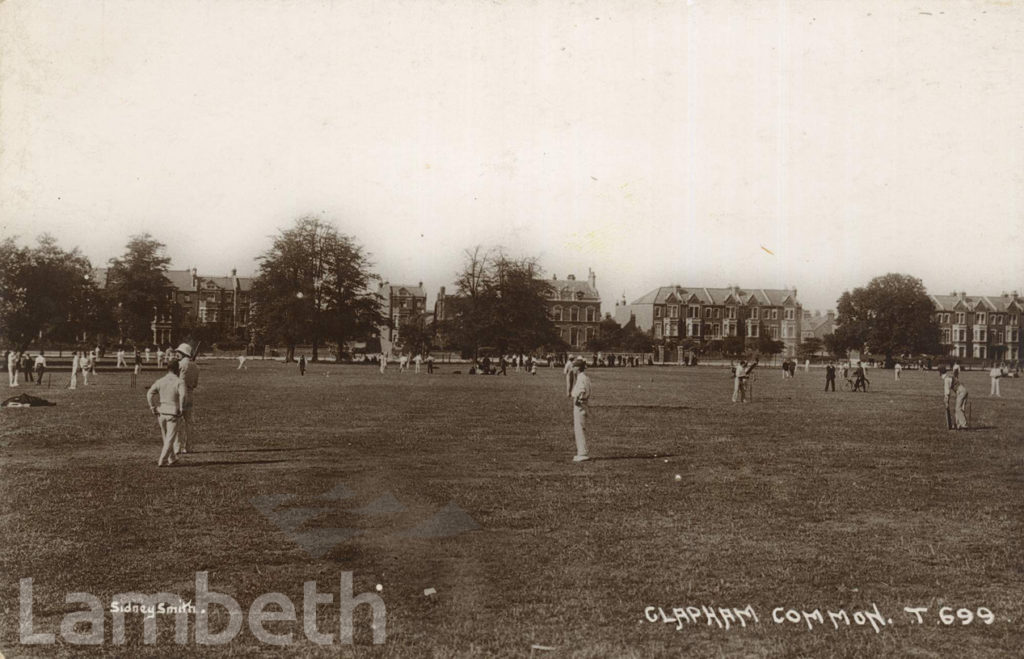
165	399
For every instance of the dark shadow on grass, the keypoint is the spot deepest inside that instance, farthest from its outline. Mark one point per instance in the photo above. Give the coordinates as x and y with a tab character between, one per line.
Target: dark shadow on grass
183	465
248	450
632	457
976	428
645	407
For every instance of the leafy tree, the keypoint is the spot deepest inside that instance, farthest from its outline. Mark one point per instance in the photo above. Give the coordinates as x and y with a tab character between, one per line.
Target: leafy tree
48	293
418	335
766	345
810	347
892	315
833	347
137	288
501	303
314	285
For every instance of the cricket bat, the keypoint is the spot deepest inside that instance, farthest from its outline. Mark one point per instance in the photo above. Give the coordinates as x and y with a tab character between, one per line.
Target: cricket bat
949	417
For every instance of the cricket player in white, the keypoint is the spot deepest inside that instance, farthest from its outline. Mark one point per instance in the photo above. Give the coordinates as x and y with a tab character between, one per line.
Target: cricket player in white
85	363
417	360
383	363
241	363
580	404
995	373
12	369
148	360
121	363
189	374
897	369
75	365
165	399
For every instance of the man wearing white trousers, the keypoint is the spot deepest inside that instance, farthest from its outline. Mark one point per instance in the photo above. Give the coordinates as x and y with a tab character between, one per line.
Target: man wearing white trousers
165	399
580	403
189	374
12	369
995	373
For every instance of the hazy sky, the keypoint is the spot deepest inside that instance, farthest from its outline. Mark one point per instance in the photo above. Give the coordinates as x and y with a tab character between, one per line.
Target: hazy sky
655	142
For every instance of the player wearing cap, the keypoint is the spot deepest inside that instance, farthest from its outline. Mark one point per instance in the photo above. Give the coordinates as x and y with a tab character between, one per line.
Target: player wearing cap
165	400
189	374
580	402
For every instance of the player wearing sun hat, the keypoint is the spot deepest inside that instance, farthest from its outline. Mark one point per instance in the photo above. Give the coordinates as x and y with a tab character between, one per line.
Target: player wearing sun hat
189	373
580	403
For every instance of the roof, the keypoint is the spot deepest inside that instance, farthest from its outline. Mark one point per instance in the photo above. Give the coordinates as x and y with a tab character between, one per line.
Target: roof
415	291
957	302
180	279
573	287
718	296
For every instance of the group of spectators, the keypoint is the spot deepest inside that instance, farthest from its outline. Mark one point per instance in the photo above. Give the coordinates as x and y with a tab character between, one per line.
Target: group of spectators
22	363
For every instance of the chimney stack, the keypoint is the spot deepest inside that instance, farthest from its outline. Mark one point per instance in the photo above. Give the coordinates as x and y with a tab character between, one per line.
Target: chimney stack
571	277
591	278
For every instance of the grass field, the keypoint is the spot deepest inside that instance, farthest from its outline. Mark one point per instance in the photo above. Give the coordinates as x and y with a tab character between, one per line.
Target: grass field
800	499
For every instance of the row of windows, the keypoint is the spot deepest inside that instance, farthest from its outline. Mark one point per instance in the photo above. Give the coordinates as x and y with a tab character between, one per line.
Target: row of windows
578	336
574	314
693	311
716	330
980	335
979	318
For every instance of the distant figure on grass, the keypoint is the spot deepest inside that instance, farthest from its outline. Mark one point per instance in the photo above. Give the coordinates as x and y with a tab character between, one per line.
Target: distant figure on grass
166	400
897	369
26	367
503	365
189	374
580	395
961	403
241	363
994	374
403	363
830	376
40	365
302	364
860	381
807	366
740	377
12	369
121	363
417	361
947	392
148	356
76	364
86	366
383	363
430	364
159	356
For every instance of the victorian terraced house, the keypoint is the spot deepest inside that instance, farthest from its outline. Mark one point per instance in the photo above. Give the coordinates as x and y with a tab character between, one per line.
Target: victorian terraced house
701	314
983	327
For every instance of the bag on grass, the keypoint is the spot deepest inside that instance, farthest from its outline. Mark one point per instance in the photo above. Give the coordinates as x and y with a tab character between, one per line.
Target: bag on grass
25	400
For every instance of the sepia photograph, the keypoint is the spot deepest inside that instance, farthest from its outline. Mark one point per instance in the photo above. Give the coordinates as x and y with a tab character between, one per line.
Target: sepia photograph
511	328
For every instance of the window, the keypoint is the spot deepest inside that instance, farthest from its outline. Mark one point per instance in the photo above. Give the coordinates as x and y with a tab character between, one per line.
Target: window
945	335
673	311
590	317
657	312
657	330
753	330
961	318
707	312
789	314
556	313
716	330
980	319
718	312
774	332
574	314
775	315
589	333
730	312
755	313
694	312
1013	319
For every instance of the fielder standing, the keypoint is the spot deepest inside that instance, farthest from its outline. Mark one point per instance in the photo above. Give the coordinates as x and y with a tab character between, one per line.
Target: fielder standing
169	392
189	374
580	404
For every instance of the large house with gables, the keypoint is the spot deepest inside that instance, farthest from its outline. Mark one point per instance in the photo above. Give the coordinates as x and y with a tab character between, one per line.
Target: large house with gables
575	308
222	303
985	327
400	303
701	314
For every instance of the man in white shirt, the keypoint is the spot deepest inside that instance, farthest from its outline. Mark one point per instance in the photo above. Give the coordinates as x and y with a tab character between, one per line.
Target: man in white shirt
40	366
12	369
403	363
169	393
739	392
580	403
383	363
189	374
897	369
417	360
85	364
995	373
121	363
